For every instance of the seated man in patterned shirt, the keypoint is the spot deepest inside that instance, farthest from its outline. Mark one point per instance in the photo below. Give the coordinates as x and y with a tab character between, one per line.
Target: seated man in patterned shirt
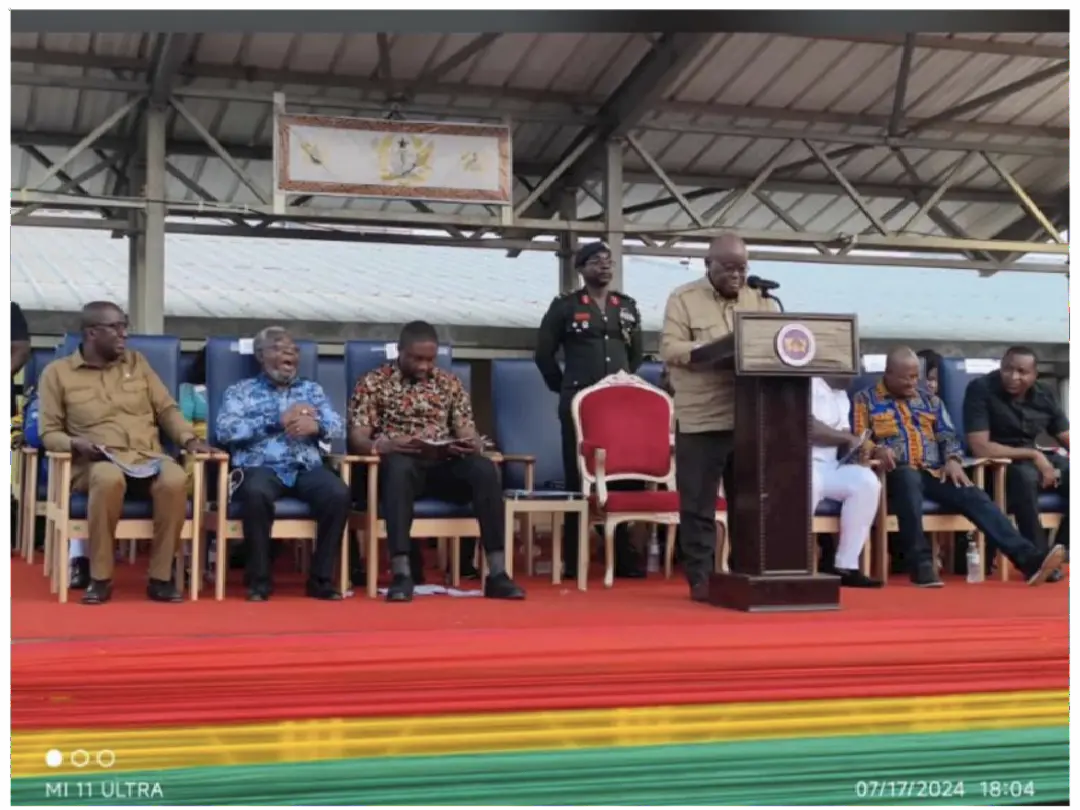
272	425
395	406
913	439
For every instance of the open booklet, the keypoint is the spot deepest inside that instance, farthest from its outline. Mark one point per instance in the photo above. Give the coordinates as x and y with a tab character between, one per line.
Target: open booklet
148	469
439	443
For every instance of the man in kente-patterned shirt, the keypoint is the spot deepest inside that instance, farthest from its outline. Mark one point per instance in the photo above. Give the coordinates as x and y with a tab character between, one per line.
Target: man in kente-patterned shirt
272	425
393	409
912	437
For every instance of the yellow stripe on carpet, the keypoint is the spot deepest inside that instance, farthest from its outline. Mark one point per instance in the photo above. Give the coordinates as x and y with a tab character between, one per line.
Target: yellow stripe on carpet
44	753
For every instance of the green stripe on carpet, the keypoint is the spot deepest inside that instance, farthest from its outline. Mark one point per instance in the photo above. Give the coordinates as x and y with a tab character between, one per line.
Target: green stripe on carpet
1029	765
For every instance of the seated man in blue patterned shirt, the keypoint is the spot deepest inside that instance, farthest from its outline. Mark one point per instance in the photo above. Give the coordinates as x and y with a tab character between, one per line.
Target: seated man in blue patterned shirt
912	437
272	425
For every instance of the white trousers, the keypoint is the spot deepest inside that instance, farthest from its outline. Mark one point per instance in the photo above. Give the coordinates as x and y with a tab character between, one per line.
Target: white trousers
857	489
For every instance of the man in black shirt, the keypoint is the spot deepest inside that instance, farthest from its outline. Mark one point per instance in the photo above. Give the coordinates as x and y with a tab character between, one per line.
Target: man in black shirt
599	331
1005	414
20	353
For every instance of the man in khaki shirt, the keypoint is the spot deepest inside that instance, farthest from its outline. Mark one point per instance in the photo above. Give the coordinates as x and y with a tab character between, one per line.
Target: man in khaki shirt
696	314
104	398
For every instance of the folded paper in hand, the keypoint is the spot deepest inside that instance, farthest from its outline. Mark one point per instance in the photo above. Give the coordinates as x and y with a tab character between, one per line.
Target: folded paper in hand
147	469
853	453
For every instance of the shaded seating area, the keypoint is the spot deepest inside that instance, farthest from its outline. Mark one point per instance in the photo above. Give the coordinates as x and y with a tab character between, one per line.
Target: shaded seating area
526	431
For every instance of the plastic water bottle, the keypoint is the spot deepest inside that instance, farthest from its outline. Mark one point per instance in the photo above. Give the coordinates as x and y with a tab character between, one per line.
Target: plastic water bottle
654	553
974	563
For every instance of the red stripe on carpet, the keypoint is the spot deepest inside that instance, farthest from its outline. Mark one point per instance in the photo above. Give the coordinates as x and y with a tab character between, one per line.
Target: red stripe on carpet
637	644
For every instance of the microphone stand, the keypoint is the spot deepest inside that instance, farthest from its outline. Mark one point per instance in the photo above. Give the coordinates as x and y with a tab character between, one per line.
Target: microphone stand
768	294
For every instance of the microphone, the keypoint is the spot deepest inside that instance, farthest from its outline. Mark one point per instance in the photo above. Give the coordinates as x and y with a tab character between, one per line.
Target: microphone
762	285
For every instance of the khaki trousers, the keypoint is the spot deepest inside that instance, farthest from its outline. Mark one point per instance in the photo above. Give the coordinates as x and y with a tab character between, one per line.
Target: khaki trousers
106	487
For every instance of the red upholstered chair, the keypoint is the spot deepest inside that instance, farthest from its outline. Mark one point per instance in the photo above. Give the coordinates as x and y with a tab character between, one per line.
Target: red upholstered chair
623	428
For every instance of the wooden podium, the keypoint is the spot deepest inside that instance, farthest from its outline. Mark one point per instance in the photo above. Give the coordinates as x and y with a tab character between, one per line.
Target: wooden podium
773	356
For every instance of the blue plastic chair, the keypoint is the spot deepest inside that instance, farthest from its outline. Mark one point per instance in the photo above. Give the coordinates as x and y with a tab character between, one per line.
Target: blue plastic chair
66	513
225	366
444	520
463	371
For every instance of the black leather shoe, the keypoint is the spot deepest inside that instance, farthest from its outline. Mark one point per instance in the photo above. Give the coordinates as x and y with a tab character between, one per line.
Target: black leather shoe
99	592
468	571
856	579
323	591
500	586
699	591
401	589
629	569
257	595
158	591
79	577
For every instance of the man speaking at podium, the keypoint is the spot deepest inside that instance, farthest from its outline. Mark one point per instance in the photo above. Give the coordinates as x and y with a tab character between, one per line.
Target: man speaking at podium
696	314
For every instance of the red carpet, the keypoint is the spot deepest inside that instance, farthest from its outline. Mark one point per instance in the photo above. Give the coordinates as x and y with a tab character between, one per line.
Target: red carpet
640	643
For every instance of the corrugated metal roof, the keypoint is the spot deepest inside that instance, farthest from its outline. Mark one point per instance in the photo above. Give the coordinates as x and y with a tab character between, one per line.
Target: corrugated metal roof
791	84
280	280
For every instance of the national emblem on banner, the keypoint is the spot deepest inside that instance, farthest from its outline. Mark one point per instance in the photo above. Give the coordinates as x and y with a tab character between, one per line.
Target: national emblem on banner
404	159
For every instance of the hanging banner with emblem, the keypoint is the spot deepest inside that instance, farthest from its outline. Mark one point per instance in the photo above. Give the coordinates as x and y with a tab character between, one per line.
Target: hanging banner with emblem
405	160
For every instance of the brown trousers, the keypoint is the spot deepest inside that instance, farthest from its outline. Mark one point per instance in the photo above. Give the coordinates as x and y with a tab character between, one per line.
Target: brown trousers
106	486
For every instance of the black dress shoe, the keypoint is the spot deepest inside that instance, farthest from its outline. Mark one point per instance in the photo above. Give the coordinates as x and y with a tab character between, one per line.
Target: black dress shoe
500	586
401	589
629	570
699	591
468	571
99	592
257	595
159	591
323	591
855	579
79	577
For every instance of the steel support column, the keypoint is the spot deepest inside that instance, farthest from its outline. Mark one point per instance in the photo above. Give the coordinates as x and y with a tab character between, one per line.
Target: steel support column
613	208
568	275
146	285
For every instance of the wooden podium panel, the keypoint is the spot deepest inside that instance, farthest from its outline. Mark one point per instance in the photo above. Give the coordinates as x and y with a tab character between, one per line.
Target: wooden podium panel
774	355
832	348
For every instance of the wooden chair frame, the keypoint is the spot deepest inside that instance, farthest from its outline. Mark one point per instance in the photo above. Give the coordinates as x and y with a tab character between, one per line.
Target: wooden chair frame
214	518
61	528
448	530
600	479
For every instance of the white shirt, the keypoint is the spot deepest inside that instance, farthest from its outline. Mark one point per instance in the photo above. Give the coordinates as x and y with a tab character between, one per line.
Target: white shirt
833	409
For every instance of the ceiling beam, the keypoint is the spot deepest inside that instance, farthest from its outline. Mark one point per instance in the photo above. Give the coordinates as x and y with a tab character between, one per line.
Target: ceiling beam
1028	229
707	183
573	105
172	51
637	95
458	58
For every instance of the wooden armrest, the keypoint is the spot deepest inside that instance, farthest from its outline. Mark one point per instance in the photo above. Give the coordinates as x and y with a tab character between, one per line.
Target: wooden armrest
217	455
1000	462
59	456
27	450
518	458
494	456
348	458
